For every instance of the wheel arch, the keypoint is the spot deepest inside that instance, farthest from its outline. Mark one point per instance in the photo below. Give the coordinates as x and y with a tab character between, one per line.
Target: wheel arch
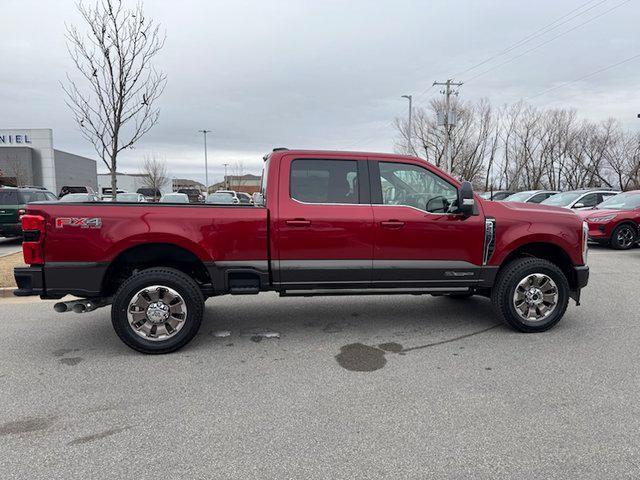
547	251
150	255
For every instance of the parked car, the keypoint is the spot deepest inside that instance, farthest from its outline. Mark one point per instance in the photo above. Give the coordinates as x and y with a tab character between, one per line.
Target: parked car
244	198
496	195
422	232
13	202
530	196
219	199
616	221
80	197
580	199
195	195
131	197
107	196
150	194
174	198
66	190
230	194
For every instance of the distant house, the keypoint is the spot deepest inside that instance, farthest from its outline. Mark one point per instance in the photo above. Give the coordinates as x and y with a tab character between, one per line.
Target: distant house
185	183
240	183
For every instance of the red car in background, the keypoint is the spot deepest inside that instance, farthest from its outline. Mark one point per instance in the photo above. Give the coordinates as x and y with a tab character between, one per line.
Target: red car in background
616	221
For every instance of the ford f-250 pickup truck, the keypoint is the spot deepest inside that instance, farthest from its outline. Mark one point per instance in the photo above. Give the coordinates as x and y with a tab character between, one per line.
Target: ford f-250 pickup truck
327	223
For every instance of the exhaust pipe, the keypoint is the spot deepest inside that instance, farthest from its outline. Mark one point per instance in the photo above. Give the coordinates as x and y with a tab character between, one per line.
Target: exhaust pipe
80	306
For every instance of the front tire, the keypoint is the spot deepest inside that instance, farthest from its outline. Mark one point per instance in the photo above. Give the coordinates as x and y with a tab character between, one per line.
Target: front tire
531	294
158	310
623	237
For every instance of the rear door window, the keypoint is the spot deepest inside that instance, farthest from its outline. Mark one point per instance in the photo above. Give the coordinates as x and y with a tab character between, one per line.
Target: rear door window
9	197
324	181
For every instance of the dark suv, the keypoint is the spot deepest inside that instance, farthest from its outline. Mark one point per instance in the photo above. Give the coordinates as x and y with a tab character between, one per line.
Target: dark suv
13	203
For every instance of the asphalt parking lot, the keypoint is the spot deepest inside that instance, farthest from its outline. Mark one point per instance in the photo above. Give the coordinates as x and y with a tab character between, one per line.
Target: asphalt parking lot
450	394
10	245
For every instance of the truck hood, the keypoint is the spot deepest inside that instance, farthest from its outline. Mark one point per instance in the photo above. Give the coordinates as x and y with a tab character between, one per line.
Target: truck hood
526	209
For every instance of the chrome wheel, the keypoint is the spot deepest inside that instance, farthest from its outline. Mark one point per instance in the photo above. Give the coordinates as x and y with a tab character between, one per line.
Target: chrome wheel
157	313
625	237
535	297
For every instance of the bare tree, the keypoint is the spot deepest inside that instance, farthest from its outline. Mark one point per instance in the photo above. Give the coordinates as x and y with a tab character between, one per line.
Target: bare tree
155	173
16	168
114	105
237	171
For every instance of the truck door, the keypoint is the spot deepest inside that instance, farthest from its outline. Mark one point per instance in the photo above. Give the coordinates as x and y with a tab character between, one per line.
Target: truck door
324	225
416	241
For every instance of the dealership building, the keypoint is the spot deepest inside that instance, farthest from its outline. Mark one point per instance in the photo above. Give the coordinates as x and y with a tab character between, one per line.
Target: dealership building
28	157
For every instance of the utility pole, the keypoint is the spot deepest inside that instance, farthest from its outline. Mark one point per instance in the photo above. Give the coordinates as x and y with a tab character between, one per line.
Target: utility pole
226	181
206	166
410	98
449	120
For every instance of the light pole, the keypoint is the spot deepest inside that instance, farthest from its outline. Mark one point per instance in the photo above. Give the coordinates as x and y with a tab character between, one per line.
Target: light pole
206	166
410	98
226	183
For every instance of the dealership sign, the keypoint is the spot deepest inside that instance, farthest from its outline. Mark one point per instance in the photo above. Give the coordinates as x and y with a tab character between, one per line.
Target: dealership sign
14	139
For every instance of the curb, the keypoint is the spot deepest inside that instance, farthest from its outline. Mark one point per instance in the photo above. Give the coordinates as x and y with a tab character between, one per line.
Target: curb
7	292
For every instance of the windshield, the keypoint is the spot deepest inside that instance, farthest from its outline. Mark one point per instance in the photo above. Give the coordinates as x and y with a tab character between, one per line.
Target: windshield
75	197
175	198
622	201
563	199
518	197
127	197
226	198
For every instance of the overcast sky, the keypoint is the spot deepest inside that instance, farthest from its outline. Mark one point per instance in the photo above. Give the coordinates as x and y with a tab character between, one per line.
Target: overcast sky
326	74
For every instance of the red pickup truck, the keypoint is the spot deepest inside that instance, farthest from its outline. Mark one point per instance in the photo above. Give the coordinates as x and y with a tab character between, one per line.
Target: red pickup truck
327	223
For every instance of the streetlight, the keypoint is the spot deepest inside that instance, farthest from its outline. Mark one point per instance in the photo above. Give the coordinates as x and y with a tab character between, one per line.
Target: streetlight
410	98
206	166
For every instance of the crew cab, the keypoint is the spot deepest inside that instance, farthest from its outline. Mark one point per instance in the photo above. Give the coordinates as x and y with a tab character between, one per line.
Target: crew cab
325	223
616	221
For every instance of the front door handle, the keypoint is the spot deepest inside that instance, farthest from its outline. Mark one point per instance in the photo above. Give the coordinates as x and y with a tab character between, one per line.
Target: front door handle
392	224
298	222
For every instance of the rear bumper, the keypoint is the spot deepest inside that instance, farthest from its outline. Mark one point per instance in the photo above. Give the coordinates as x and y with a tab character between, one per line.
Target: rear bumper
30	281
55	280
10	229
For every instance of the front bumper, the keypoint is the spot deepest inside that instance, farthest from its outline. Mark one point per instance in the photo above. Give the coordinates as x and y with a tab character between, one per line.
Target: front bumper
580	277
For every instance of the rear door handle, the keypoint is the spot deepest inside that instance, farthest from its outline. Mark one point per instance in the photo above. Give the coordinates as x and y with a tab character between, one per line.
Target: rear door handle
298	222
392	224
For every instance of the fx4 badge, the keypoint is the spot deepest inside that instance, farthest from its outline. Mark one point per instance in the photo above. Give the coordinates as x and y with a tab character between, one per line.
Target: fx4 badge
80	222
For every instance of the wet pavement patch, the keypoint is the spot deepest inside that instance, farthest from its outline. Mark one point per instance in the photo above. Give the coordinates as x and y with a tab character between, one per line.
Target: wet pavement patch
97	436
71	361
391	347
358	357
26	425
332	327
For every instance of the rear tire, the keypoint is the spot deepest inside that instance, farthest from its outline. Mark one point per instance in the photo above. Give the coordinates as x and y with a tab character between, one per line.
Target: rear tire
158	310
530	294
623	237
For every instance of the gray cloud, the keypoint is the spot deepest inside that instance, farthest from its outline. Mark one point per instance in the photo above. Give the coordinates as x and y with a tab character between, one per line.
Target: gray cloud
320	74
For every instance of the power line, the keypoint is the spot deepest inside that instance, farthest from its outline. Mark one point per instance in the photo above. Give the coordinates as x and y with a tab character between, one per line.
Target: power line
547	41
604	69
538	33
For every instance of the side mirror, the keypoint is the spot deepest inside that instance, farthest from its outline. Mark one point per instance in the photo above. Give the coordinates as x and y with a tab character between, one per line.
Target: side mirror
466	202
579	205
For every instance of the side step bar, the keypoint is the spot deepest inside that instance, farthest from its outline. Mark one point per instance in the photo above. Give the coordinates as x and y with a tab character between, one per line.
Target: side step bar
373	291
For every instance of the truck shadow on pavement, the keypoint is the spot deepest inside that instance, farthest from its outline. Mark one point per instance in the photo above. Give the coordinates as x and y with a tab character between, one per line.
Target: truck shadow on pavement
363	331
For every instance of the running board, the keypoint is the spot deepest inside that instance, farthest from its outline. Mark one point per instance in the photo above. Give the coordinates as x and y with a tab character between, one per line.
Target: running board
372	291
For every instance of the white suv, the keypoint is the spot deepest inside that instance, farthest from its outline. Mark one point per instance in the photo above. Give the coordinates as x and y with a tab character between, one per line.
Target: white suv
580	199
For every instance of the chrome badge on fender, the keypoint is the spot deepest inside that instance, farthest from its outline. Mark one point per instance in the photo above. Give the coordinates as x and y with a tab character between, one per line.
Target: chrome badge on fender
80	222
